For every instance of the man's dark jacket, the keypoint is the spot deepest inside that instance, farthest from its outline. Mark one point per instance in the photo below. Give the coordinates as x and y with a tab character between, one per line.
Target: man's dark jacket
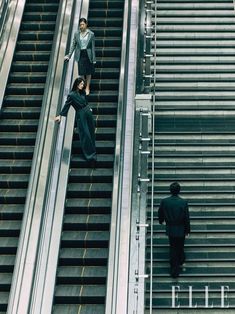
174	211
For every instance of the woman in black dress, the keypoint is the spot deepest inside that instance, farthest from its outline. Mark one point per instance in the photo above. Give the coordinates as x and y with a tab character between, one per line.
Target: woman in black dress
85	122
84	46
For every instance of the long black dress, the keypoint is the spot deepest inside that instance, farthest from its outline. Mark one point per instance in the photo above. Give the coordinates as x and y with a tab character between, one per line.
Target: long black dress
85	122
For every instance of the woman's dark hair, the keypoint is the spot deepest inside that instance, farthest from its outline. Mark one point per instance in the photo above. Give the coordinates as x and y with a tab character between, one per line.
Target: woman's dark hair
82	19
77	81
175	188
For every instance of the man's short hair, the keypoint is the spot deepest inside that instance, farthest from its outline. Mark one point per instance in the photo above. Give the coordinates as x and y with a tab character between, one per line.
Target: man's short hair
175	188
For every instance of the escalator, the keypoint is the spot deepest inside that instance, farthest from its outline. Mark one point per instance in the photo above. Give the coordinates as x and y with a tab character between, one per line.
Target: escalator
195	145
82	265
19	121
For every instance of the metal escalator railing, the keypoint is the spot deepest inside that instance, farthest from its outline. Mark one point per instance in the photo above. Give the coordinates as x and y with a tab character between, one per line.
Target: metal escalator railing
121	293
45	274
24	270
153	157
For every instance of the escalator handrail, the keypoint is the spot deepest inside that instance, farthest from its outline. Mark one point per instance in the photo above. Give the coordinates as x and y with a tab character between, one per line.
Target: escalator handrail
115	229
12	22
19	299
46	269
154	108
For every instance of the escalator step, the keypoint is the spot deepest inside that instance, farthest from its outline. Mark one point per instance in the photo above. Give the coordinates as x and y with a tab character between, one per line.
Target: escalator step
78	308
44	16
91	222
11	211
86	238
80	293
83	256
23	100
36	77
91	176
32	26
85	205
81	275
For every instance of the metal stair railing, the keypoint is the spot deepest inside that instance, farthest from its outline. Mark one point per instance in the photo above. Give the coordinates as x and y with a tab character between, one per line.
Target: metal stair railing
139	226
140	180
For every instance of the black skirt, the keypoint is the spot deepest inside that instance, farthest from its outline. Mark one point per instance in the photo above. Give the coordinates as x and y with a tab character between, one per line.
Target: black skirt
85	67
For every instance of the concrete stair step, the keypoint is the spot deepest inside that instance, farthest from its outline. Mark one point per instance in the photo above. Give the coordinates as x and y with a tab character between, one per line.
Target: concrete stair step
196	13
213	51
197	68
195	86
193	6
191	20
222	78
174	60
196	43
170	27
195	35
195	95
195	104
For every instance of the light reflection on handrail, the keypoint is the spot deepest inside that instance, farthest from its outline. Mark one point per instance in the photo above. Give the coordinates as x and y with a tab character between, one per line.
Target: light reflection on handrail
3	10
48	248
153	159
112	279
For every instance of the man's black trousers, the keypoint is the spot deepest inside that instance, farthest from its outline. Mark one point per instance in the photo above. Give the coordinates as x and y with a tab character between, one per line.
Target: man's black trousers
177	256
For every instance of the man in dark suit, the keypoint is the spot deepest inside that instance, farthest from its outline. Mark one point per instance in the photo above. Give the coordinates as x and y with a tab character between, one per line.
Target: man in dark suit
174	211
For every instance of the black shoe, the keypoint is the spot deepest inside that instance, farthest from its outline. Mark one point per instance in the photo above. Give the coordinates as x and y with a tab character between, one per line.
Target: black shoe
174	275
182	262
93	163
174	272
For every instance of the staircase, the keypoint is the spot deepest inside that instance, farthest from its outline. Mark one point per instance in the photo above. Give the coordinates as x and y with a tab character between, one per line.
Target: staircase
195	145
82	266
18	127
